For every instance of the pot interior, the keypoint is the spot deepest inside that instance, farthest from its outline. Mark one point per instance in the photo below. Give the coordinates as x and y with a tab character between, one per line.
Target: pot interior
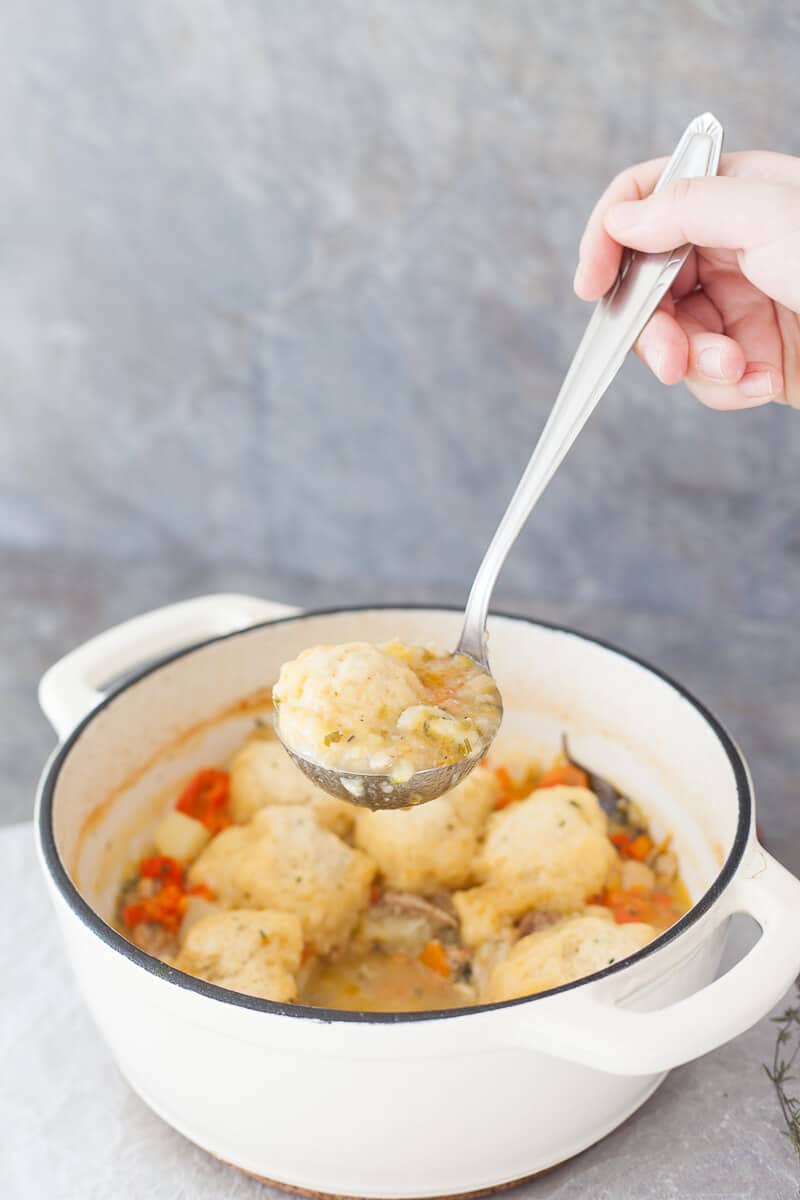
120	770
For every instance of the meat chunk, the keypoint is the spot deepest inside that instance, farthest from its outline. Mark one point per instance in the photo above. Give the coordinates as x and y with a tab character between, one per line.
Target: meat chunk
284	859
262	773
256	952
573	948
403	923
432	846
547	852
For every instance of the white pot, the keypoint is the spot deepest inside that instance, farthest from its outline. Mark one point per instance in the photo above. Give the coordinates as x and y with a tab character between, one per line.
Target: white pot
419	1104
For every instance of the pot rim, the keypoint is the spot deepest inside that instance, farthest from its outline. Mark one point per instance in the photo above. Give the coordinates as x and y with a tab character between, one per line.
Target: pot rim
115	941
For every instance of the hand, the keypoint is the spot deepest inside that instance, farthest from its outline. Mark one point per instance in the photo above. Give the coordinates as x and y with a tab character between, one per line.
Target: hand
729	326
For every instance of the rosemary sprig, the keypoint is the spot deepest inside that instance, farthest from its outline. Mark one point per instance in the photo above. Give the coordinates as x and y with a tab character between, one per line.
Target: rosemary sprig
787	1048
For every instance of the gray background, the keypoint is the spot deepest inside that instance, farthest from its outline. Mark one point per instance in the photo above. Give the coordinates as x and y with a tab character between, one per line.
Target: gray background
285	296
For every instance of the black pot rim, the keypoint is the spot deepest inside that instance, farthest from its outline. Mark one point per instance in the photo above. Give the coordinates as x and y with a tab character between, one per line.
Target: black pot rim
88	917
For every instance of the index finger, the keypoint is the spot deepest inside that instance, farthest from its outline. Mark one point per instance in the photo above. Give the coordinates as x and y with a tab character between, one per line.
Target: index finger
599	254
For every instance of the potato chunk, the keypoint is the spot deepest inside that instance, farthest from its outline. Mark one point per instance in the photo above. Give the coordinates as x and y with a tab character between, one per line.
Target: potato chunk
180	836
549	851
284	859
253	952
262	773
567	951
432	846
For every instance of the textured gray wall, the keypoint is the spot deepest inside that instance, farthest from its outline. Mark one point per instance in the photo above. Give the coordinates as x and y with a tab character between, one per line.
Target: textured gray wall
286	295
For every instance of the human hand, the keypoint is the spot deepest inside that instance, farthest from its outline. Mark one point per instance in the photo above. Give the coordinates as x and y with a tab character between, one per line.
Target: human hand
730	325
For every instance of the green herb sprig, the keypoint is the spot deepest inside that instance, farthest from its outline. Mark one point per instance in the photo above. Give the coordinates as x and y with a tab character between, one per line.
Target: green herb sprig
787	1049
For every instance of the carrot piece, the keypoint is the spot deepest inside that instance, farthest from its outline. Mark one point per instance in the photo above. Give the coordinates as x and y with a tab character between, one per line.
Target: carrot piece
160	866
563	774
627	906
165	908
435	957
202	889
508	792
205	798
640	847
638	904
133	914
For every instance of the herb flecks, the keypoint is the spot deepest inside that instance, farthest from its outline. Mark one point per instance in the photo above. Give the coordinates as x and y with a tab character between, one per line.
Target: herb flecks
787	1049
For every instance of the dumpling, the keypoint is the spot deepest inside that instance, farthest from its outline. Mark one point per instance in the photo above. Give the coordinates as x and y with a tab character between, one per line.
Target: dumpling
284	859
549	851
256	952
573	948
262	773
432	846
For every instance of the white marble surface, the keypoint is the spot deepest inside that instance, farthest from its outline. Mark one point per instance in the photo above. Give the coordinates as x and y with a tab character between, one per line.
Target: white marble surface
73	1130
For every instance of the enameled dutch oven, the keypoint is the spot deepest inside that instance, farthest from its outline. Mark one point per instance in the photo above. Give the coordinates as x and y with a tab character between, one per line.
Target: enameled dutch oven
382	1105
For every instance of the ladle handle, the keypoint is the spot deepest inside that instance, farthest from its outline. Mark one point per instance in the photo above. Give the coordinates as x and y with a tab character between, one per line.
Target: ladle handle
616	323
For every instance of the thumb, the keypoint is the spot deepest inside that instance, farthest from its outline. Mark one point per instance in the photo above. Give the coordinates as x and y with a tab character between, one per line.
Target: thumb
719	212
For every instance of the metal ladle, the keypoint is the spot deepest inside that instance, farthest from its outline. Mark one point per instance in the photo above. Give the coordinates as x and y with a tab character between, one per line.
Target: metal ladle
616	323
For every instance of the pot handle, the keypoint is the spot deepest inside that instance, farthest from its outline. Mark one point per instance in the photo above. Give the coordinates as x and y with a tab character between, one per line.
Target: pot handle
73	686
599	1033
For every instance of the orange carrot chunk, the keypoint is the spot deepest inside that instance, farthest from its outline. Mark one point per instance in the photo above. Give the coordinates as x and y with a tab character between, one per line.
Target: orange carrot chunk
563	775
640	847
202	889
435	956
165	908
205	798
160	866
508	793
638	904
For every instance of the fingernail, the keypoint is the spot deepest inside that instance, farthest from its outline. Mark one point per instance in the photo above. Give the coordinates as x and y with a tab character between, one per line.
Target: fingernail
760	385
577	282
710	363
624	215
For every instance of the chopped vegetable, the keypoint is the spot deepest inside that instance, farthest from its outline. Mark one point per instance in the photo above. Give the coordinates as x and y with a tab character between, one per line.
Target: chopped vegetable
202	889
180	836
637	874
638	847
163	867
197	908
563	774
508	792
167	905
435	956
654	908
165	908
665	865
205	798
